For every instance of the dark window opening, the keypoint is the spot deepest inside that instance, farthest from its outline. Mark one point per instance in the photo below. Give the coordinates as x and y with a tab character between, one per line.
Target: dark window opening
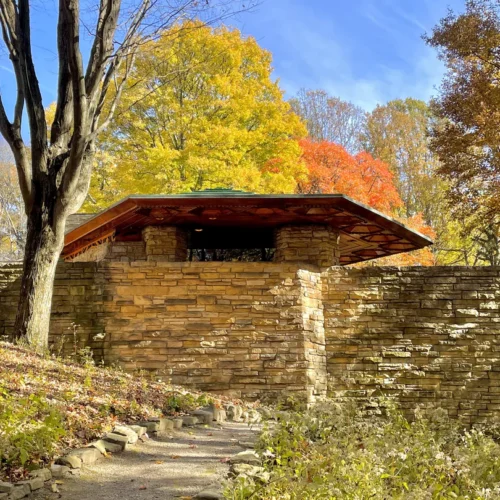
230	244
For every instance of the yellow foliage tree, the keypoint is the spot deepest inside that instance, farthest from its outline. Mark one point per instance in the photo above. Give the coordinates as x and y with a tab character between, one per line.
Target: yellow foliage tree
200	110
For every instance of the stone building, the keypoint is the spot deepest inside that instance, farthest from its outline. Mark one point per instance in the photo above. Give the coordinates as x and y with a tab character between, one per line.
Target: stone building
249	294
323	230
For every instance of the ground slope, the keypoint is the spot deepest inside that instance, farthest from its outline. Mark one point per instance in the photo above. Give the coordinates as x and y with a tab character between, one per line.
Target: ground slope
49	405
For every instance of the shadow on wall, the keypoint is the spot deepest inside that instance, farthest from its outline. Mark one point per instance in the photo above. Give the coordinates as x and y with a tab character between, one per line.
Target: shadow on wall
76	322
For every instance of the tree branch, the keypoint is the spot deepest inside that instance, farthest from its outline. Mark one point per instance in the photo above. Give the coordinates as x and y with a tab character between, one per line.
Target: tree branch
13	138
97	127
7	33
63	120
31	88
69	12
102	48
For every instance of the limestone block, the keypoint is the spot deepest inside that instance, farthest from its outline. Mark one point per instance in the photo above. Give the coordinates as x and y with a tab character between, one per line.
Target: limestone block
20	490
6	487
60	471
151	426
139	430
34	483
72	461
106	446
118	439
189	421
126	431
166	424
177	423
204	416
44	474
87	456
234	412
246	457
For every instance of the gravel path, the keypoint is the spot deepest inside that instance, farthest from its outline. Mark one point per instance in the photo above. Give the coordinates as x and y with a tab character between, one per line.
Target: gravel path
166	467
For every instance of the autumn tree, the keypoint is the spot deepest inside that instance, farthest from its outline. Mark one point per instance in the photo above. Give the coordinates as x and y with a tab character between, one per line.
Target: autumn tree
331	169
54	179
467	140
397	133
12	216
200	110
329	118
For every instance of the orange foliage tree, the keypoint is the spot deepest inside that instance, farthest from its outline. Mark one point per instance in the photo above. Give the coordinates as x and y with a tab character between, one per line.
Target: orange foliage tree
331	169
423	257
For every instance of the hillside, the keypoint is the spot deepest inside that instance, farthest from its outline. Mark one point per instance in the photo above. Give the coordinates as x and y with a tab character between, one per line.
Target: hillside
48	405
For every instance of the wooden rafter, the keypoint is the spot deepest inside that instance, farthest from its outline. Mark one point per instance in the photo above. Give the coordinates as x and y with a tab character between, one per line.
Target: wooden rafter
79	249
365	233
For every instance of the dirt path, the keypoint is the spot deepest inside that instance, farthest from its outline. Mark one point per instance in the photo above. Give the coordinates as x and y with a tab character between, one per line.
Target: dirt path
161	468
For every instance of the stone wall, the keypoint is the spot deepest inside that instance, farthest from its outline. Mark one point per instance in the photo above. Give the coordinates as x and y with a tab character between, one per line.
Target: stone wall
426	336
121	251
314	244
165	243
220	326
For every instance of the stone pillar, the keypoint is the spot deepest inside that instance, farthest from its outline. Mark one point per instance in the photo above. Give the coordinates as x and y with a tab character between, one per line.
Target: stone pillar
313	329
165	243
299	363
313	244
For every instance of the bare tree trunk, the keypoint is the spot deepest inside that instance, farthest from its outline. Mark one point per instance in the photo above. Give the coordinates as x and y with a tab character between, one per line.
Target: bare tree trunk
56	179
44	243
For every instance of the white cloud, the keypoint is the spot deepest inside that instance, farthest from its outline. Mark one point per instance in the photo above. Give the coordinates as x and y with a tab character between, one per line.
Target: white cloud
6	68
313	54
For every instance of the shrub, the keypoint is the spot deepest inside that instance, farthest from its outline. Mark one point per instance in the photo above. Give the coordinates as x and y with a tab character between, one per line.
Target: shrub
333	451
49	405
29	429
185	402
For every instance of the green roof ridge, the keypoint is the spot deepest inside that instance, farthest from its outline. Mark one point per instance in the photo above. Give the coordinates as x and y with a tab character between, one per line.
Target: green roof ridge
219	191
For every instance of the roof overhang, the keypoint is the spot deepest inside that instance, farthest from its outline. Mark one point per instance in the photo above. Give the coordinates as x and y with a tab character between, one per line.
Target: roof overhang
365	233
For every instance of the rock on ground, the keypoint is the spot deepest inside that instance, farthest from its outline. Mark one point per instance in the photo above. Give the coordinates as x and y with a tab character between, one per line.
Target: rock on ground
164	468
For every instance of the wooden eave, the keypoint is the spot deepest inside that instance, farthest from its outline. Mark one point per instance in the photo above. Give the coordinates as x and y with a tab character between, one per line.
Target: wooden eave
365	233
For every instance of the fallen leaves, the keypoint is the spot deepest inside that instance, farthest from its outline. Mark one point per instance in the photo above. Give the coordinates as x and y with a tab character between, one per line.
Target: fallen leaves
90	399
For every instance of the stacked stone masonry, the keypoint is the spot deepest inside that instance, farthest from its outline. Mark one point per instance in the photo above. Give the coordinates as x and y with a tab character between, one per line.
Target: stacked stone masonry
225	327
122	251
165	243
426	336
314	244
309	244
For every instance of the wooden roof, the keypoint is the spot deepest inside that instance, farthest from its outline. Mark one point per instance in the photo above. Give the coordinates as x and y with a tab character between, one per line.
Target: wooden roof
365	233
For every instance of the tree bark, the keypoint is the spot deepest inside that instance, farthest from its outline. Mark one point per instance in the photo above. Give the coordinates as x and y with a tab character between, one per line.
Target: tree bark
44	243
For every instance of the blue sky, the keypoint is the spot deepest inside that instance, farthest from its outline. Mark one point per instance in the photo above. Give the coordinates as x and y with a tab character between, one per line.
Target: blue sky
364	51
